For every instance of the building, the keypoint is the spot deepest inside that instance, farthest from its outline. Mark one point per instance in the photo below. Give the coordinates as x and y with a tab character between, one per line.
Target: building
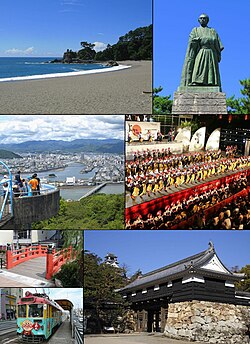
8	302
111	259
194	298
25	237
70	180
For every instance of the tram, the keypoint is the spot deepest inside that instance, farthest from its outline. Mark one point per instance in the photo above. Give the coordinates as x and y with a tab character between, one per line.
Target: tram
37	318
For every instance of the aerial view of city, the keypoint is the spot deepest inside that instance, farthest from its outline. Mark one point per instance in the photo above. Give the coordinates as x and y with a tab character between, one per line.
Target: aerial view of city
83	158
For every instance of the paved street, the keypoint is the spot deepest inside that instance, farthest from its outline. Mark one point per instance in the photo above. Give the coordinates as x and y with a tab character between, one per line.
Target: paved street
62	335
132	339
10	279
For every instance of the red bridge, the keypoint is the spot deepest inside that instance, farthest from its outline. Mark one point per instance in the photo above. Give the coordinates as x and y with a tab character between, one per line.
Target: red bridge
54	259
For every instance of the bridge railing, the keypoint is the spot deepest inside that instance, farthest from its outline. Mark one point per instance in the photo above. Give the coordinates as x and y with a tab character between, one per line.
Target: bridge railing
16	257
56	259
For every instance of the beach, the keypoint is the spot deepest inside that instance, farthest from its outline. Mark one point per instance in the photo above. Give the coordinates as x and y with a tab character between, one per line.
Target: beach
124	91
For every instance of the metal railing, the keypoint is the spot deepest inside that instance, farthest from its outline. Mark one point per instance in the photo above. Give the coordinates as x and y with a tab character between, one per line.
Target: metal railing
78	334
44	189
10	191
6	207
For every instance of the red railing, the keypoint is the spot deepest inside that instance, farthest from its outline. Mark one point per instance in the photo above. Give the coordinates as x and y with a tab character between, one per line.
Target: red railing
22	255
54	260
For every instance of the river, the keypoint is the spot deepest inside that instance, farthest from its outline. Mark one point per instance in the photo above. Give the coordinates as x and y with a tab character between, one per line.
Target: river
75	193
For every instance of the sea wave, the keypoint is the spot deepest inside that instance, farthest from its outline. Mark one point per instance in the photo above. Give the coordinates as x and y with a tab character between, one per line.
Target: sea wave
33	63
59	75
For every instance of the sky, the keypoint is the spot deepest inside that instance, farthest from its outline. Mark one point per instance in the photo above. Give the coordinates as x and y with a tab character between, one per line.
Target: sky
149	250
75	295
49	27
173	22
21	128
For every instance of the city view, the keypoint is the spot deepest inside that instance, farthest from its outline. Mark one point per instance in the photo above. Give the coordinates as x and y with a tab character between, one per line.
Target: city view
67	170
74	173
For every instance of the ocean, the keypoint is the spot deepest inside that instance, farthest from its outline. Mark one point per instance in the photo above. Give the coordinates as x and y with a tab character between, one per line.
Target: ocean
22	68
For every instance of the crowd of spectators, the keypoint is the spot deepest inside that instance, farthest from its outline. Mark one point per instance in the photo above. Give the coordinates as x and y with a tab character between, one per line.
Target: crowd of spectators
233	216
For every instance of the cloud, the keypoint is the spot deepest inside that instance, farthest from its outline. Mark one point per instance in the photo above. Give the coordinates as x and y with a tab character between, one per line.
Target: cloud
15	51
99	46
72	3
21	128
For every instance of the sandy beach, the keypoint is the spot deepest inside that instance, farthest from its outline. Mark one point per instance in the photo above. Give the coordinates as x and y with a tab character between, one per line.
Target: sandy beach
118	92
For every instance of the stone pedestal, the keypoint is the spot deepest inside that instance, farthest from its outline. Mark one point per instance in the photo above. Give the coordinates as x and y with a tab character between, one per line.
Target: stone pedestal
195	100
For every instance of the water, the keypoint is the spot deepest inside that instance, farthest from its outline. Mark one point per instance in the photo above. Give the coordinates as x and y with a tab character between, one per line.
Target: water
76	193
11	67
73	170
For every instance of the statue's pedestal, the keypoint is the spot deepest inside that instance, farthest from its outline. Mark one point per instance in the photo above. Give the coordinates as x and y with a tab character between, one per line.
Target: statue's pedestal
195	100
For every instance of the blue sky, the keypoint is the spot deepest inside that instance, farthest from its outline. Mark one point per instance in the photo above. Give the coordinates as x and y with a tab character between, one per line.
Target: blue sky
173	22
49	27
148	250
75	295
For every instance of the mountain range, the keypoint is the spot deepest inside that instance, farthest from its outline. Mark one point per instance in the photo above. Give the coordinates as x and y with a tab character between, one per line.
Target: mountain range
80	145
5	154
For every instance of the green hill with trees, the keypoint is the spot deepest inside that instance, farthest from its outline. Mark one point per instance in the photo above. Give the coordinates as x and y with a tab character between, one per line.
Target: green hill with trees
99	211
134	45
5	154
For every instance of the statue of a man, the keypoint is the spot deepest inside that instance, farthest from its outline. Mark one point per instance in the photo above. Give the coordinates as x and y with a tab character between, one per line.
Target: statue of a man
201	66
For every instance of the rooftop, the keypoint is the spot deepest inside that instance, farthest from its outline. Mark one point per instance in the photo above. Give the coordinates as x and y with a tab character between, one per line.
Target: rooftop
205	262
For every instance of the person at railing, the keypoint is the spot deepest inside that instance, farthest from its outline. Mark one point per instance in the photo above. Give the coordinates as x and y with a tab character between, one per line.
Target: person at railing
5	184
24	188
16	191
18	180
38	185
34	184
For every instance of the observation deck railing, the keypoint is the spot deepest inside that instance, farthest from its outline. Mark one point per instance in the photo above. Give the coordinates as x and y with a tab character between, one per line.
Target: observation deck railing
6	206
24	207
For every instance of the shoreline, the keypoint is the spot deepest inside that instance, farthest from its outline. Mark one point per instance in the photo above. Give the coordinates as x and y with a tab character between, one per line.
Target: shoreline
66	74
77	186
121	92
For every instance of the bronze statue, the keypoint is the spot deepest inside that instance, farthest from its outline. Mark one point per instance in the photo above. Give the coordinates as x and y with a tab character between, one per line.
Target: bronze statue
201	66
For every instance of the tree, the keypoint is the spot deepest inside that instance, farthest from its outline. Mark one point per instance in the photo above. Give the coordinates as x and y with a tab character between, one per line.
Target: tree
245	284
87	45
135	276
102	304
161	104
240	105
99	211
134	45
87	53
194	125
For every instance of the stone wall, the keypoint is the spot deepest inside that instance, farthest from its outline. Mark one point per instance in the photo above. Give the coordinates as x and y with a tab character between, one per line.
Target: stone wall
36	208
209	322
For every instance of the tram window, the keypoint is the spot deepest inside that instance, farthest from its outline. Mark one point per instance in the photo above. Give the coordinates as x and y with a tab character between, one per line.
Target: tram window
22	311
35	311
